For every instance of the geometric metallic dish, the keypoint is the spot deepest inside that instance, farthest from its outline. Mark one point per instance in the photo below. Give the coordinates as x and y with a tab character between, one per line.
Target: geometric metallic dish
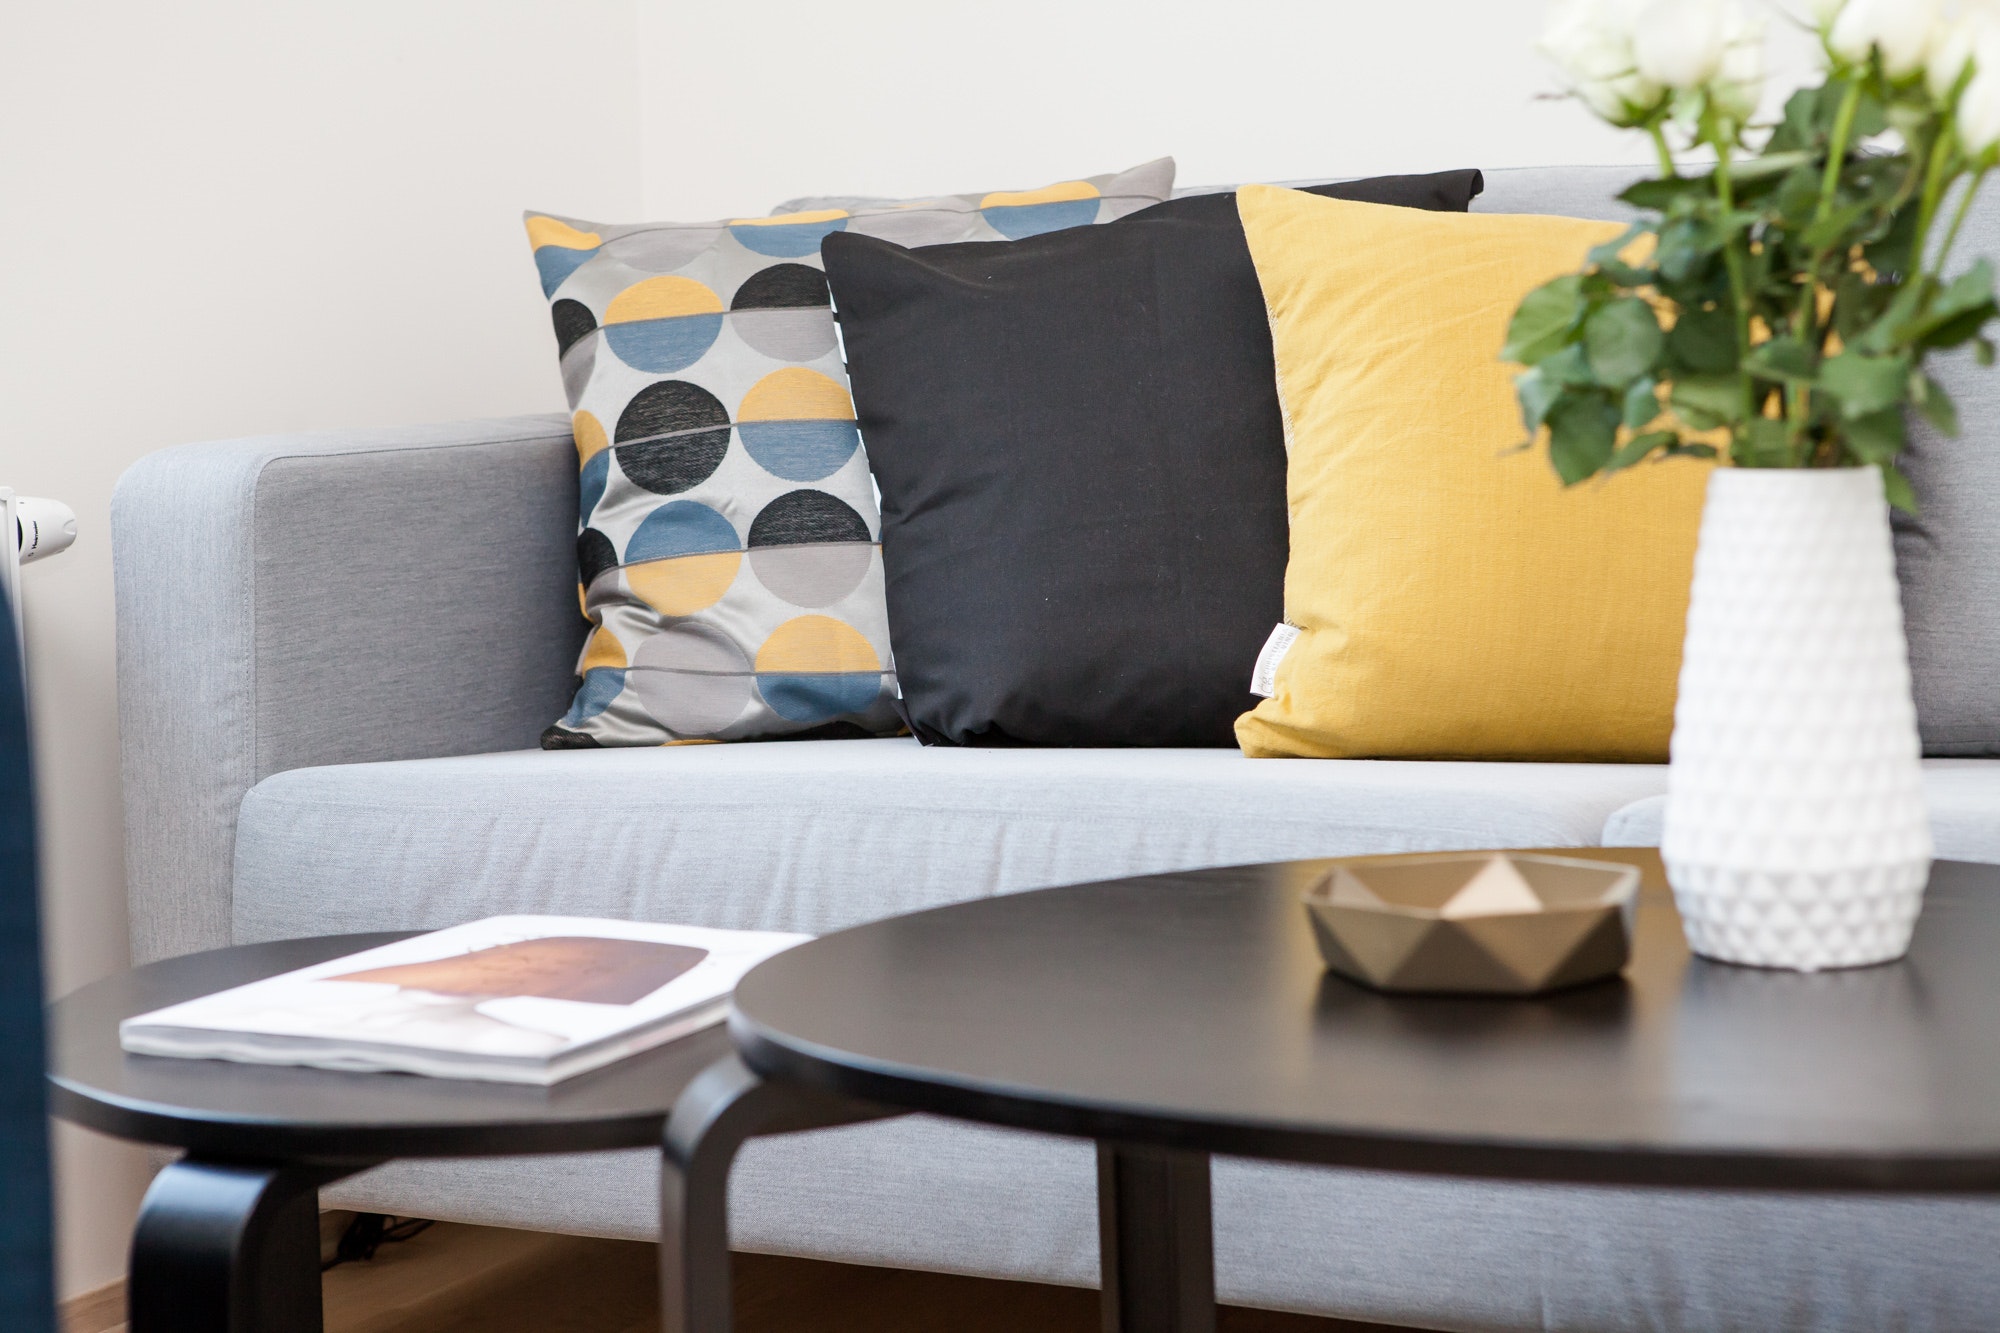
1480	923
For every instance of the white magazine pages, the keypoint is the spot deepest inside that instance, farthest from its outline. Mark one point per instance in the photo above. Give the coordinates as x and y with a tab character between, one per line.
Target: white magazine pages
511	999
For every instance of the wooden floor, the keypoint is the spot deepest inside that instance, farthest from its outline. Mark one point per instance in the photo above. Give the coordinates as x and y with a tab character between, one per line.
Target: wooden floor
462	1279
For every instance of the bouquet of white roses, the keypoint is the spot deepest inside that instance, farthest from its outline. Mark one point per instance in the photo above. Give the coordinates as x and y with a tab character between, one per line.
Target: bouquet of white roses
1780	304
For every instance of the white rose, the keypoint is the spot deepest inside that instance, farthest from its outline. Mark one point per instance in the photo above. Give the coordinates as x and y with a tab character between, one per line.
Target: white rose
1590	41
1824	12
1953	42
1950	53
1680	43
1902	30
1979	109
1739	86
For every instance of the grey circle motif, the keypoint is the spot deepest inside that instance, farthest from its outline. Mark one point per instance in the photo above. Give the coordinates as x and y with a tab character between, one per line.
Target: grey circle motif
810	548
691	679
661	249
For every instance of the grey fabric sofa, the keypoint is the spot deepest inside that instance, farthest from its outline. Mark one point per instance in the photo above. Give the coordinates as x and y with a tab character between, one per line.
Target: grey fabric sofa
336	650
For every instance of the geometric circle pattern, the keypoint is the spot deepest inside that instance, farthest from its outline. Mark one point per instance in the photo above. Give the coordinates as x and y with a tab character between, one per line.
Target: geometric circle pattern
814	668
789	235
798	424
714	430
785	312
663	324
1022	213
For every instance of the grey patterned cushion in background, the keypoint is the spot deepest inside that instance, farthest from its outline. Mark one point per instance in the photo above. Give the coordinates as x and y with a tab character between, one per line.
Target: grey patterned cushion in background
728	552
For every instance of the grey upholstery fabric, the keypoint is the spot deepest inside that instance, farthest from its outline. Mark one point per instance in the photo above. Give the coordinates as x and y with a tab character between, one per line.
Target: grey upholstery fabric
815	835
1963	796
1573	192
325	599
1458	1254
1948	553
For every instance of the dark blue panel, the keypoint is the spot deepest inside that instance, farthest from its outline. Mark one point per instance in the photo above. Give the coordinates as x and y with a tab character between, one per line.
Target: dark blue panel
27	1298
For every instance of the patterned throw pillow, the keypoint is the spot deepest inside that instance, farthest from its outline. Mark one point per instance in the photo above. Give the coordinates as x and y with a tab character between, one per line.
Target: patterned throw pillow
729	553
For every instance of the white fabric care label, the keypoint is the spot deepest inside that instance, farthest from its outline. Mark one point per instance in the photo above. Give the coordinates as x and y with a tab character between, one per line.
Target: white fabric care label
1264	679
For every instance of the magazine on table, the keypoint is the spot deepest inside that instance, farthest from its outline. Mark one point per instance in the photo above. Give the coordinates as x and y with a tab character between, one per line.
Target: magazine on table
511	999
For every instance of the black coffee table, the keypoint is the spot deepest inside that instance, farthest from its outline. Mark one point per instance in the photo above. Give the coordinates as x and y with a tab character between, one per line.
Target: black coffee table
228	1237
1174	1016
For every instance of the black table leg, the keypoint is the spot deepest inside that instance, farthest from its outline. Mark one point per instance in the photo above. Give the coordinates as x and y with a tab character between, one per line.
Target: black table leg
229	1247
1156	1240
725	1106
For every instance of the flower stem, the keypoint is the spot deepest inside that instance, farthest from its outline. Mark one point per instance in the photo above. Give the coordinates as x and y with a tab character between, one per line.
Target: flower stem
1659	133
1806	321
1935	179
1958	218
1836	154
1739	297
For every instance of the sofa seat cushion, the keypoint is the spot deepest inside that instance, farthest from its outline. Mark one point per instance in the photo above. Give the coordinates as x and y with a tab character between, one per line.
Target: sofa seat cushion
818	835
1963	796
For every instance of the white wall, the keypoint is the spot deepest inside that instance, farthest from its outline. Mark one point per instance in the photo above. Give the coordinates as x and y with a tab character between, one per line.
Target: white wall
223	219
746	105
931	96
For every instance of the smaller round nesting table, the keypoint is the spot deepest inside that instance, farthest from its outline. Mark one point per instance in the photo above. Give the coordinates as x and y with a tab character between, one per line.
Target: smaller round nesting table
228	1240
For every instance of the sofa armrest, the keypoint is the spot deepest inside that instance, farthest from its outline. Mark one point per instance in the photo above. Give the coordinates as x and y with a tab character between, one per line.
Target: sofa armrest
328	598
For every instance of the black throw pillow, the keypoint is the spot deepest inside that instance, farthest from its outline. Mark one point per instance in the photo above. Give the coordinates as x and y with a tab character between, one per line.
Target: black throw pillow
1082	465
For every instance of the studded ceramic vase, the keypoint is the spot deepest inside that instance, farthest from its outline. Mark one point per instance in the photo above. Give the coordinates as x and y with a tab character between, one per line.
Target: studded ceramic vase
1796	833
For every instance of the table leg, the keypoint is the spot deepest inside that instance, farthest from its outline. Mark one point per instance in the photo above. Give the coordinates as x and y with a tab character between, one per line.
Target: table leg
1156	1243
229	1247
724	1106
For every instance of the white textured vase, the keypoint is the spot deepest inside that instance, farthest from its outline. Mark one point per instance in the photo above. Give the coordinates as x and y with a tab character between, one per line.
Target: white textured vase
1796	833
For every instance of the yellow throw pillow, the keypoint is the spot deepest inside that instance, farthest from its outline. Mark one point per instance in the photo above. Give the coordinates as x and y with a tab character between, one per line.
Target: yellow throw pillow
1454	600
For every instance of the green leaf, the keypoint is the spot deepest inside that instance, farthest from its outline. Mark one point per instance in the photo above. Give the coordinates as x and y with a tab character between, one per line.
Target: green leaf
1568	366
1547	317
1826	232
1536	392
1870	117
1622	340
1661	194
1897	487
1691	451
1967	291
1785	359
1608	251
1638	447
1936	405
1796	130
1704	341
1583	428
1685	247
1960	329
1798	193
1891	252
1768	165
1642	403
1960	311
1893	325
1982	351
1708	401
1858	305
1765	443
1875	438
1864	383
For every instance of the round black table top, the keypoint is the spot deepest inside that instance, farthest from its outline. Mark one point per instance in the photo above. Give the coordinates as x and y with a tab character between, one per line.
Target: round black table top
266	1112
1192	1010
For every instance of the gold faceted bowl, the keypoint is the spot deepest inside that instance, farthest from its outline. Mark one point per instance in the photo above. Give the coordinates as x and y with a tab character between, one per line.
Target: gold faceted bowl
1479	923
